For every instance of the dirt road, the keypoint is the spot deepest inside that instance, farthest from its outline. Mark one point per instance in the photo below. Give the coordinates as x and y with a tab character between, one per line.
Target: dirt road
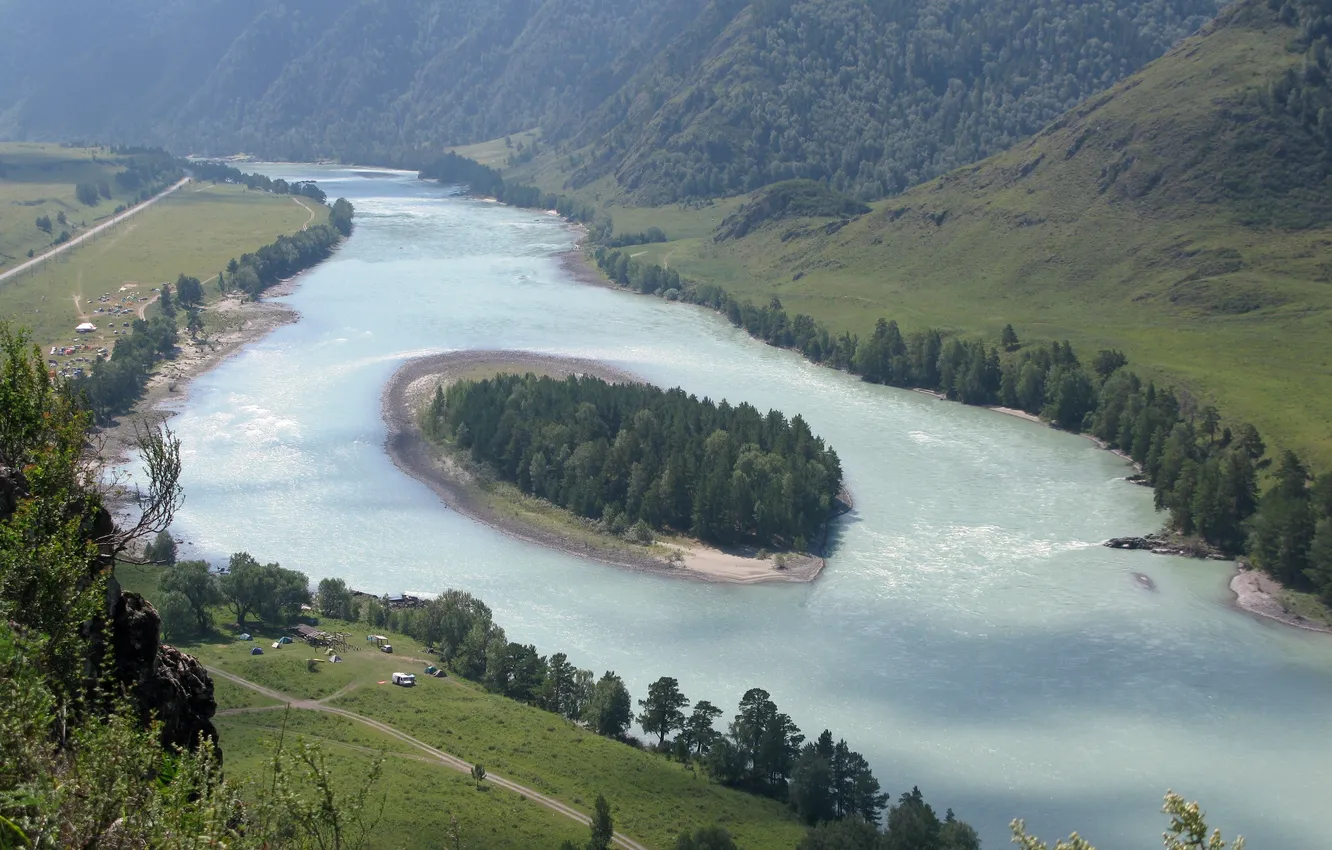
135	210
438	756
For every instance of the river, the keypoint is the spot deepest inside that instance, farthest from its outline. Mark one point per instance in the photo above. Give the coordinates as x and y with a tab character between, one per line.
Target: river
969	635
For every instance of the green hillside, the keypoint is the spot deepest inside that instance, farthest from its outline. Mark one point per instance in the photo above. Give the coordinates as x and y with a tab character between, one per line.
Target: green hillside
653	798
1184	217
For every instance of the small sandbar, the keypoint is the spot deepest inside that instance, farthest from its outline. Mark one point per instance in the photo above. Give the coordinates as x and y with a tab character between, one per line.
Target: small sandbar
1259	594
469	491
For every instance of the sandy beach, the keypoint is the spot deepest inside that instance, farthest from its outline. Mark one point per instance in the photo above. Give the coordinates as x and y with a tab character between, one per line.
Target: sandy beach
1258	594
467	491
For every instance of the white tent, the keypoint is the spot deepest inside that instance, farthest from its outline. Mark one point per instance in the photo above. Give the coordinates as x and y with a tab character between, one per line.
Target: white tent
85	328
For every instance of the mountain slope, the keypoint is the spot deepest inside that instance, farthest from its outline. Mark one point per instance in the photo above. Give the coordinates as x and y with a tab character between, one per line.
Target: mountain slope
871	95
1185	217
677	100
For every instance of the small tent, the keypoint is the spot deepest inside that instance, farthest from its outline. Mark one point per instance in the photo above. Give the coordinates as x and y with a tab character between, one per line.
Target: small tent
85	328
337	659
256	651
244	636
284	639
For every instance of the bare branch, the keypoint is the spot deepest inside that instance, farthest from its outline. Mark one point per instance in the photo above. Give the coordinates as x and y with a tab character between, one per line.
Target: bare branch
160	450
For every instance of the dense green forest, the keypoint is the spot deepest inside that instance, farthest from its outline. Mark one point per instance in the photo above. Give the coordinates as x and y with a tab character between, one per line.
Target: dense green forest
675	100
635	455
1205	475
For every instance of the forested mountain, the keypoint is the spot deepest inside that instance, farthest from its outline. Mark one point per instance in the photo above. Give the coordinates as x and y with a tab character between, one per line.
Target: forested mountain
680	99
1183	217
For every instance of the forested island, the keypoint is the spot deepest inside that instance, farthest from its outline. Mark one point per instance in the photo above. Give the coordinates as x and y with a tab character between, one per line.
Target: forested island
632	454
1204	474
581	457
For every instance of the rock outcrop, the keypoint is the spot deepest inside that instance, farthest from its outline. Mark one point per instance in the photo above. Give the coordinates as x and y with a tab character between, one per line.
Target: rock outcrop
165	682
1163	544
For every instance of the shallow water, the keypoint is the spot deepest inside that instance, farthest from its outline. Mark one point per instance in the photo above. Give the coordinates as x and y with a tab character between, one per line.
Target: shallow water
969	635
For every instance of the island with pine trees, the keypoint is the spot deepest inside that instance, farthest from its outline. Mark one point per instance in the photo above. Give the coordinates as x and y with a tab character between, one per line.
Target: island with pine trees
583	457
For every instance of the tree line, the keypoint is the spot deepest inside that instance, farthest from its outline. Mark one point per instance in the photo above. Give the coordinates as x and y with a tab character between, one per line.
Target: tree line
634	455
1206	475
341	210
147	171
113	385
255	272
761	750
220	172
452	168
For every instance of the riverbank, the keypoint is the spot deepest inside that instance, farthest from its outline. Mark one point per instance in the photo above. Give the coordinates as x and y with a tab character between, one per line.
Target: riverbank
239	323
1261	595
471	492
577	264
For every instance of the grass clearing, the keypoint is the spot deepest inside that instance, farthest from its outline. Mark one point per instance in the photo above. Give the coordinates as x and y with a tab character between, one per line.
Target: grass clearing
495	153
230	695
38	179
419	798
194	231
652	798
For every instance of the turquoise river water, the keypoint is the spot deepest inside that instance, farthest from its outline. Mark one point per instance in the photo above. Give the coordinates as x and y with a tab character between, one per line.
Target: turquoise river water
969	636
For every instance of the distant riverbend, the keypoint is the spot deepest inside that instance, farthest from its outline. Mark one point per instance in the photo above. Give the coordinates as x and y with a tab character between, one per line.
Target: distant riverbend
471	491
971	634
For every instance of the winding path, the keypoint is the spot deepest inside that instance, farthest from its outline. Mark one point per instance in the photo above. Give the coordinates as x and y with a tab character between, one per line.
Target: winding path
436	755
302	205
65	246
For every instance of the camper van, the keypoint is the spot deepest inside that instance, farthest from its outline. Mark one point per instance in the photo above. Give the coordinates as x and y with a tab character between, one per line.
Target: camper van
407	680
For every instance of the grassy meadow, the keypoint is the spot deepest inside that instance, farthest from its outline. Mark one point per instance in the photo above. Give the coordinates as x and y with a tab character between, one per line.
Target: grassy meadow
495	152
194	231
38	179
652	799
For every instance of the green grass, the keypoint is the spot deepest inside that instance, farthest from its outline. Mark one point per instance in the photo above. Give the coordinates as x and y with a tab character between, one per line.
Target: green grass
139	578
652	798
229	695
1308	606
495	152
1235	314
38	179
419	798
194	231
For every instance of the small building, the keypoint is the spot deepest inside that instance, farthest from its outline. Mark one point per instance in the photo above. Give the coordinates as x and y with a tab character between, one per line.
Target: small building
406	680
